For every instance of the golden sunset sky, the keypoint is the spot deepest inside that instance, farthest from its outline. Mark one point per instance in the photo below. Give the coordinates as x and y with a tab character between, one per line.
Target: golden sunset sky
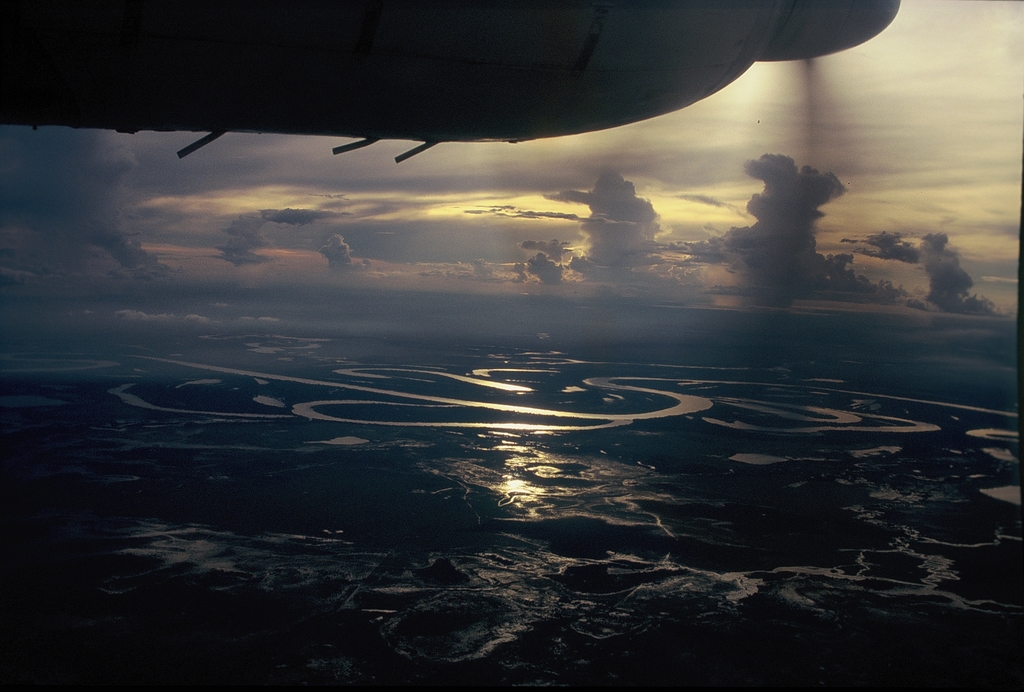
922	125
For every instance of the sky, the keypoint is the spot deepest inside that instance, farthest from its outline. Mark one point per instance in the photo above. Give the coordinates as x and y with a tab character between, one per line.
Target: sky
896	187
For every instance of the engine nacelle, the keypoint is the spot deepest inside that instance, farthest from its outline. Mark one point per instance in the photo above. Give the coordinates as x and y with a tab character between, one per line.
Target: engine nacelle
820	27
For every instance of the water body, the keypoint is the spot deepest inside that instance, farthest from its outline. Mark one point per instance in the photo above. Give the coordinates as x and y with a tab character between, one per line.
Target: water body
512	516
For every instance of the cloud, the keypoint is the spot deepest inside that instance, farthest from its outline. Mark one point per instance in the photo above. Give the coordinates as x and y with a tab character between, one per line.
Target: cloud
482	269
297	217
541	267
125	249
705	199
779	249
554	248
139	316
621	226
777	255
339	254
582	265
888	246
710	251
948	282
13	277
245	236
839	276
516	213
52	215
709	201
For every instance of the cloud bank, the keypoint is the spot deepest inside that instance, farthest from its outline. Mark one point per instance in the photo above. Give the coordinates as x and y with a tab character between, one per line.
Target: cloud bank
948	283
888	246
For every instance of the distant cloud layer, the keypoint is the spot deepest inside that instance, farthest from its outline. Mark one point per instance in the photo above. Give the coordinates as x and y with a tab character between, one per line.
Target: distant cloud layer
709	201
297	217
84	206
514	212
555	248
949	285
139	316
889	246
247	234
775	260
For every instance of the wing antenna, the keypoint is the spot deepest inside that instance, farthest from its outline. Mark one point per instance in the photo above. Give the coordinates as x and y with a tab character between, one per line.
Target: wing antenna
198	144
415	150
352	146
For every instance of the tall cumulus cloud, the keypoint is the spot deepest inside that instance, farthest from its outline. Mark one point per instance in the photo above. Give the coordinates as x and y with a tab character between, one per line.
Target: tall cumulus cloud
53	217
779	249
949	284
778	255
339	254
621	226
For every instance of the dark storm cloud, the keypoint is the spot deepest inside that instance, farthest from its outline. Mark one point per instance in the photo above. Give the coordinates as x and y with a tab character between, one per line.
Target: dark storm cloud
621	226
297	217
777	254
778	251
554	248
839	276
245	235
948	282
582	265
122	247
339	254
710	251
62	196
541	267
888	246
